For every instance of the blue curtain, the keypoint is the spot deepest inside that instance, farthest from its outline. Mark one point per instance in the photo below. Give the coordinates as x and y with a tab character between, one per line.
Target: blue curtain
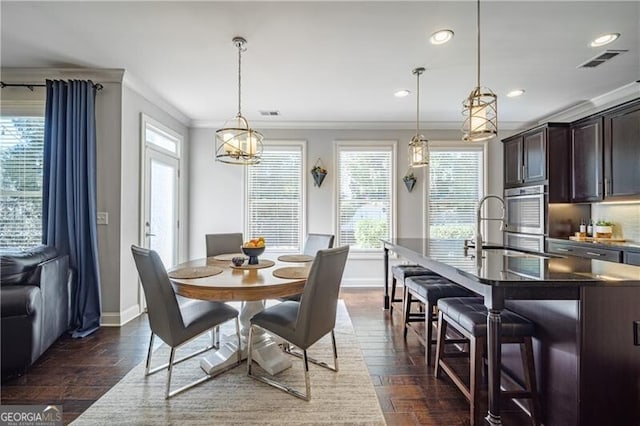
69	193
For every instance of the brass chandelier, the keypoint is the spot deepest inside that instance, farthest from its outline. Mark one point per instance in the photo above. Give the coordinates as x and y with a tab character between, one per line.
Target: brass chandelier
419	145
480	108
236	142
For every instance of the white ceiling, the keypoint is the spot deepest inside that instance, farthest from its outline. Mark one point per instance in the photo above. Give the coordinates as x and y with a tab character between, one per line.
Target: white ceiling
334	61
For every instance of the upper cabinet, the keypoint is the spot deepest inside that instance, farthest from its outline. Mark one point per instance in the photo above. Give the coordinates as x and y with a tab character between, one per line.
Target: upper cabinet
586	160
605	155
539	155
622	152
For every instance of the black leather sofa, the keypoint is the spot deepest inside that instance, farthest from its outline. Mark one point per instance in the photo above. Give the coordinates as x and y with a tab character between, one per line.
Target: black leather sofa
35	304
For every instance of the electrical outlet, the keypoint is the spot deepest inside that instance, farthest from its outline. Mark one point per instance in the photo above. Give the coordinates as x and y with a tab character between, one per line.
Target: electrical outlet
103	218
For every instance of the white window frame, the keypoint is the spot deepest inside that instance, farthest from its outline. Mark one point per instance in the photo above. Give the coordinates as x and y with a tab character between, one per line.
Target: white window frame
302	144
453	146
23	108
372	145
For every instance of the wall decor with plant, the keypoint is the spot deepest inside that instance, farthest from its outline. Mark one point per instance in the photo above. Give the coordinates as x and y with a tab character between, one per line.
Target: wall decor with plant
319	172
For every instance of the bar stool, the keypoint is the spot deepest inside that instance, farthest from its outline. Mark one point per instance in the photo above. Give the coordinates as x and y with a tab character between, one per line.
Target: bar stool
468	316
400	273
427	289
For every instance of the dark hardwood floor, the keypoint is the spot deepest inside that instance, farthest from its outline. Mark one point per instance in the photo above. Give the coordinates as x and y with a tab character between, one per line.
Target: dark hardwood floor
76	372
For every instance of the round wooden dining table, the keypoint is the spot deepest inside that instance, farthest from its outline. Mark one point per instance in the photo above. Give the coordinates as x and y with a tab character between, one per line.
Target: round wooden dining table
250	285
236	284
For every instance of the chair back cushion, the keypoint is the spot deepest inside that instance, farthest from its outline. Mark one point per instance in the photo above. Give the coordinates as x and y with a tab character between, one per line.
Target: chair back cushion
165	318
223	243
317	242
317	313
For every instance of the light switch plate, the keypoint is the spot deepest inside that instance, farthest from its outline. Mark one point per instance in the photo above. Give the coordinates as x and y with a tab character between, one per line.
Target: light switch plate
103	218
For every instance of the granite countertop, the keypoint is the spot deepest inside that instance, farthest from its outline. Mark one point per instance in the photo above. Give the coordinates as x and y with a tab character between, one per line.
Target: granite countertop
503	266
625	246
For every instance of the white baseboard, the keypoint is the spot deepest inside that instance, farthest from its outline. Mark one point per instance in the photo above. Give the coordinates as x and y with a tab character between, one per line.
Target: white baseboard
118	319
363	282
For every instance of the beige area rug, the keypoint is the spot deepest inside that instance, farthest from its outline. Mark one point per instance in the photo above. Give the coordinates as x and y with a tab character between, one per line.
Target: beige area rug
346	397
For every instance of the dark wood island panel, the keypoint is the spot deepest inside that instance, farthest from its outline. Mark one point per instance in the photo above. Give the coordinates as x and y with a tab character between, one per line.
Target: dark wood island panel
587	364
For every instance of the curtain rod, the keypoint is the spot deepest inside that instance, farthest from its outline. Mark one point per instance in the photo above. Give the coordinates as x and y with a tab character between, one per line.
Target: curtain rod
97	86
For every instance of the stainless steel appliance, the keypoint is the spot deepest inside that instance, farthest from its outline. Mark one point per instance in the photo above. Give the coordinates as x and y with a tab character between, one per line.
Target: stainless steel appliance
526	217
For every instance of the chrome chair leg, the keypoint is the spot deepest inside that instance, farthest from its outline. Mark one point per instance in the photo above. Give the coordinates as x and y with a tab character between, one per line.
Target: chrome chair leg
307	381
148	363
239	340
170	370
249	350
335	351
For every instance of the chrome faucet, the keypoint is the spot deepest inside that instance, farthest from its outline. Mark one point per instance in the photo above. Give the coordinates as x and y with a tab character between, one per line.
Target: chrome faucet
479	219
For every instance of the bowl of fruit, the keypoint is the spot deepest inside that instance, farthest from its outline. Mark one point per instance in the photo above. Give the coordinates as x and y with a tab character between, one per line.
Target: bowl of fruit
253	248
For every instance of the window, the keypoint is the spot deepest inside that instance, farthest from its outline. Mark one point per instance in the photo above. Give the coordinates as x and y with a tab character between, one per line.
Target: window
275	196
365	194
456	183
21	161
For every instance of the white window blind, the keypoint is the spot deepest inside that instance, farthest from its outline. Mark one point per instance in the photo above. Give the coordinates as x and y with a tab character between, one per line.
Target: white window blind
365	209
275	198
455	186
21	161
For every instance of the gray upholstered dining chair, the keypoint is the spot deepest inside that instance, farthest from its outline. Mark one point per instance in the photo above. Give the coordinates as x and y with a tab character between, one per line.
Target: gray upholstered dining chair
175	323
303	323
312	244
315	242
223	243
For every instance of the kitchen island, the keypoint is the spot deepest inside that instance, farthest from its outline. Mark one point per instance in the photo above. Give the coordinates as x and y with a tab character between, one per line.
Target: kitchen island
587	317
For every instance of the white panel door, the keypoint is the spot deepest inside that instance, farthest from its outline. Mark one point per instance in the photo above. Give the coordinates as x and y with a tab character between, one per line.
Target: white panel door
161	202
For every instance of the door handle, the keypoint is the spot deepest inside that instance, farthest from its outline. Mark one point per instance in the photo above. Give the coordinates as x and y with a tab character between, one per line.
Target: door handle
149	235
590	253
562	249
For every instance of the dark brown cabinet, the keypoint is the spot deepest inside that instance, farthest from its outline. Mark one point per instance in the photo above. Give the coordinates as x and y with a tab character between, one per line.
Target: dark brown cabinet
586	160
513	162
534	149
589	251
622	152
539	155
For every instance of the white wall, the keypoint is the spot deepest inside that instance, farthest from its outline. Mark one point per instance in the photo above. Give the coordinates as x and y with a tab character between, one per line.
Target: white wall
216	190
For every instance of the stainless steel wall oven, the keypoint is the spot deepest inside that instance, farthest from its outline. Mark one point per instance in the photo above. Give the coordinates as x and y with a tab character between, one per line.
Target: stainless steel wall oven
526	217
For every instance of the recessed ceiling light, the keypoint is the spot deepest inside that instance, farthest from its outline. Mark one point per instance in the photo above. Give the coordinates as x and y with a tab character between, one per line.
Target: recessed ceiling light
441	37
401	93
604	39
515	93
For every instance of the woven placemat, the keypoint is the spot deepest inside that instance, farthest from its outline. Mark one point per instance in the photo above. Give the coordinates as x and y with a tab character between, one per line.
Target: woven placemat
262	263
228	256
295	258
195	272
292	272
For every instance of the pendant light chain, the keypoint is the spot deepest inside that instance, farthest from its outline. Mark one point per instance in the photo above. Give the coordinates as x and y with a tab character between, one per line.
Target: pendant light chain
239	44
478	29
418	103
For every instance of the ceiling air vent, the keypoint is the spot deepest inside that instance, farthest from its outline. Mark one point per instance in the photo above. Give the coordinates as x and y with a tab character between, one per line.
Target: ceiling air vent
601	58
270	113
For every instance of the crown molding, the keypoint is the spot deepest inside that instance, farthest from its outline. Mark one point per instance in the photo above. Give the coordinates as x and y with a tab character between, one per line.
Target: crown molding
155	98
594	105
39	75
348	125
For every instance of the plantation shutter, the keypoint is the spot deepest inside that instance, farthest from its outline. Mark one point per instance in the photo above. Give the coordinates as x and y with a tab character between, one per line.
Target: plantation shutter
274	198
455	186
365	179
21	161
